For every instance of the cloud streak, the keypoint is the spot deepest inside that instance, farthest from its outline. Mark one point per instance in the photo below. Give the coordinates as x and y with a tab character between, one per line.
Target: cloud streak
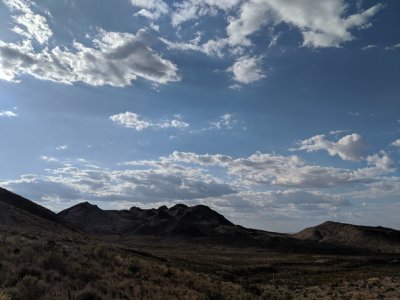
8	114
133	120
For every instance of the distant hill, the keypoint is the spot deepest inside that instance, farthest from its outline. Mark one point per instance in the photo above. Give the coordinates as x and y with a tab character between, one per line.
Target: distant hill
21	214
378	239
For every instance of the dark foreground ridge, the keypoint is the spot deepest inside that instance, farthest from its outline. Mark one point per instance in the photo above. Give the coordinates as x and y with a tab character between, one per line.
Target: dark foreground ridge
17	211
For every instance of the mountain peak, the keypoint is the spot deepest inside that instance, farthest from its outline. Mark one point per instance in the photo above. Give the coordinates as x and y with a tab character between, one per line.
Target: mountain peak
177	220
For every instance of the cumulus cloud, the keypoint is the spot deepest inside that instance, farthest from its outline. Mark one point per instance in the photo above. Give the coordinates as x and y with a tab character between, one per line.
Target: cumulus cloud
264	169
267	184
116	59
247	69
133	120
159	182
28	23
322	23
381	161
8	113
130	120
349	147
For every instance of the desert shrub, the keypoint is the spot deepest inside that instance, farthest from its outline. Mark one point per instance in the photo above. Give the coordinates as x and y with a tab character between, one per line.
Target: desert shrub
168	273
88	293
253	289
30	288
87	273
100	251
27	254
54	261
212	295
134	266
4	296
32	271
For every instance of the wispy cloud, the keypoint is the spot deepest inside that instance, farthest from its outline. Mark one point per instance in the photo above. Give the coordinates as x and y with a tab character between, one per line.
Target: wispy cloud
8	113
133	120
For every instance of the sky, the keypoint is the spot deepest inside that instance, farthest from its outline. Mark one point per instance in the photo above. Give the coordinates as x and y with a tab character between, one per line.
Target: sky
278	114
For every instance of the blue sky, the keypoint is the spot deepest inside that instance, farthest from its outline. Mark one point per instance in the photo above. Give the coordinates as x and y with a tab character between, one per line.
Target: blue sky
278	114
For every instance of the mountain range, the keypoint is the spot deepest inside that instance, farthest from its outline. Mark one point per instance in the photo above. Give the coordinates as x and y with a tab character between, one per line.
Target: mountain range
190	223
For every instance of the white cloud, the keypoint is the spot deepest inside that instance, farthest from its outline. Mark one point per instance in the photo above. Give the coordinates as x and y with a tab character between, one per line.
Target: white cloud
173	124
48	158
381	161
152	9
396	143
8	113
62	147
322	23
368	47
226	121
205	159
349	147
29	24
116	59
263	169
130	120
393	47
133	120
243	188
193	9
159	182
213	47
247	69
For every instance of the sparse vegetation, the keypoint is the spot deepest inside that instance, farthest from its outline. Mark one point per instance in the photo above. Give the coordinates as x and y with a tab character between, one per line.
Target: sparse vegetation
40	259
53	269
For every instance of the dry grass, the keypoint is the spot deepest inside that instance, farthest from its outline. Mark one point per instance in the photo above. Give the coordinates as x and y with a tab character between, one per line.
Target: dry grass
42	266
32	268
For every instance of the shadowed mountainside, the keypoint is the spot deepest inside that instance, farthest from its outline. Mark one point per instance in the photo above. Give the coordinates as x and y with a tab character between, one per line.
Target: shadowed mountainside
19	213
180	219
378	239
202	224
196	223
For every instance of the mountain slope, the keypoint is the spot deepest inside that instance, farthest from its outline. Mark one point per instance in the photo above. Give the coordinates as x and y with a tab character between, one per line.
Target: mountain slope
21	214
378	239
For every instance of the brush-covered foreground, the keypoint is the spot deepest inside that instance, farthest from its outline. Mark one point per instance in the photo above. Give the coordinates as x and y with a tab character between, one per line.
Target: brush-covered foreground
35	265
